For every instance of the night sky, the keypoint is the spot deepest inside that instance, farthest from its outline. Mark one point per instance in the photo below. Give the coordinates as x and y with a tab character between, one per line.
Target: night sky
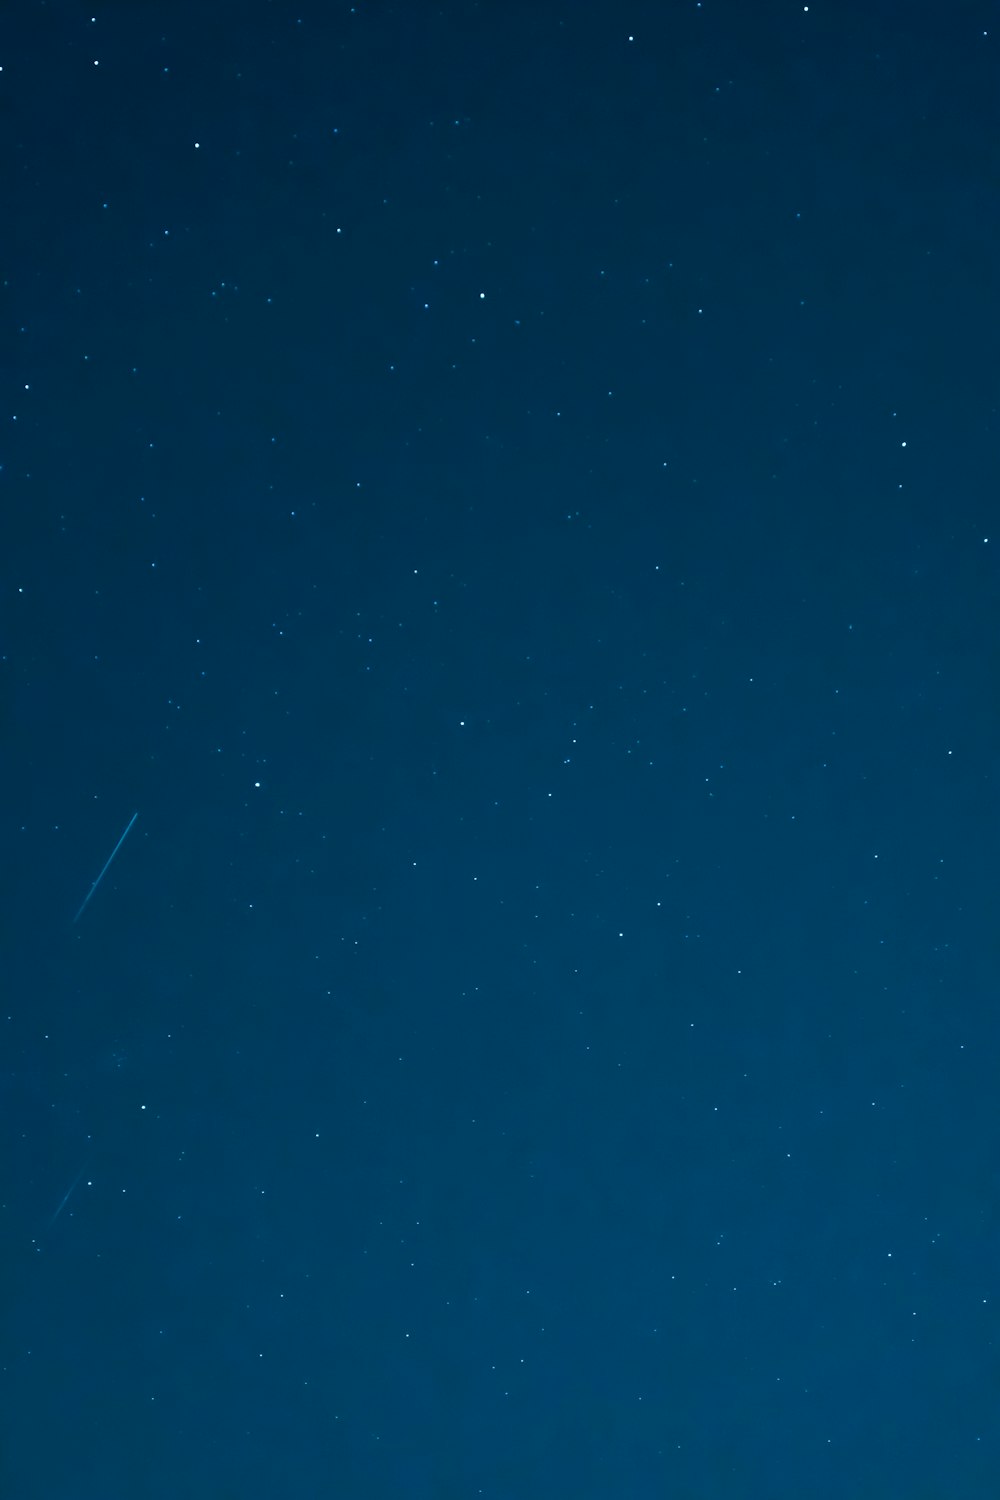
504	492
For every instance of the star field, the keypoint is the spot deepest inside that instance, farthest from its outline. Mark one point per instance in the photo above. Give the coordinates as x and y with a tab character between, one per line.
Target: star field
504	493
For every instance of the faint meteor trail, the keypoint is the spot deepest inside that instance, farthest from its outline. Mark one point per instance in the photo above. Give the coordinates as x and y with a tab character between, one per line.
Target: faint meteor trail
93	888
70	1190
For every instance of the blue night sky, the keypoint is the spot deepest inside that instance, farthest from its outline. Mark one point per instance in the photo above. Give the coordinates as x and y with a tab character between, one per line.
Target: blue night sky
506	493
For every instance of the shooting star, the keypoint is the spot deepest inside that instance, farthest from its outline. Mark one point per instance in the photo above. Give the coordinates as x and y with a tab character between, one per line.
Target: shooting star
93	888
69	1191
